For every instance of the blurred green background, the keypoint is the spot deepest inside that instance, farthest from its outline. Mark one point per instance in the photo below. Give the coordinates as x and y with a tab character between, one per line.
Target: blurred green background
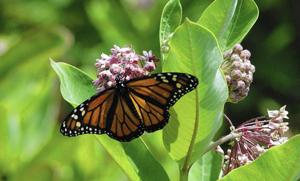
74	31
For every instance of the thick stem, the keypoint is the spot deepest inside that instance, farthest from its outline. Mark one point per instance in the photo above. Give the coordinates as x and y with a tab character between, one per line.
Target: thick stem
184	175
184	171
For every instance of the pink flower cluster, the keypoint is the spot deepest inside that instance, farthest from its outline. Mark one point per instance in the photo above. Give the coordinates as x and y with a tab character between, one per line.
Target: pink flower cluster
257	135
124	64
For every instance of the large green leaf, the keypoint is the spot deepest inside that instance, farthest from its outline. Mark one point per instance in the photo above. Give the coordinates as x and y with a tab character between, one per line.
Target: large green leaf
134	158
280	163
155	144
196	116
170	20
229	20
194	9
76	86
207	168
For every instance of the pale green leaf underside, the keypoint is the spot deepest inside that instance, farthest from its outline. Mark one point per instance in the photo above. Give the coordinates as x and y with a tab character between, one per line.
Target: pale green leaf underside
170	19
229	20
134	158
207	168
194	50
280	163
75	85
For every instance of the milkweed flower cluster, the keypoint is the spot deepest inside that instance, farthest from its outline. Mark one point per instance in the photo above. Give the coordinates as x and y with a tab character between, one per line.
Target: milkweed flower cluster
256	136
124	64
238	71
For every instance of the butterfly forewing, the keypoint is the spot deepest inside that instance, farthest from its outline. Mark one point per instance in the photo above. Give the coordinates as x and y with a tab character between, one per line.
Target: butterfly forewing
90	116
152	96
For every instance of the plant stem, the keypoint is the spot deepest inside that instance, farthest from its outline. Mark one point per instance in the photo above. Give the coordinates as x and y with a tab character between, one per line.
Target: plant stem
184	171
184	175
230	122
222	140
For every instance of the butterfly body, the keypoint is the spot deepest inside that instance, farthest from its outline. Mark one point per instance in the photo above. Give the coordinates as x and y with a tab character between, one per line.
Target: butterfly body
126	110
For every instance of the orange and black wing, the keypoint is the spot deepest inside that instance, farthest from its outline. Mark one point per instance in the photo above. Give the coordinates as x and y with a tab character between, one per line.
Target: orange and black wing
106	112
90	117
124	124
152	96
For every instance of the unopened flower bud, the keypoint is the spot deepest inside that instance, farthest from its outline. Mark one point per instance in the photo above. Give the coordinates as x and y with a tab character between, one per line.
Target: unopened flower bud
245	54
242	67
241	84
228	78
249	78
247	66
238	68
236	64
236	74
220	150
237	48
252	68
235	57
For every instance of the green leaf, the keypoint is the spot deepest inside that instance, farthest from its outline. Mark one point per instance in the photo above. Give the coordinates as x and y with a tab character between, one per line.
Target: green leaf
207	168
76	86
194	9
170	20
278	163
117	152
197	116
35	46
229	20
134	158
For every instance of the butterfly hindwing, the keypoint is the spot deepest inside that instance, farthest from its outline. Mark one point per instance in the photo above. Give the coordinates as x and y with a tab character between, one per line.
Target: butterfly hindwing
125	124
153	96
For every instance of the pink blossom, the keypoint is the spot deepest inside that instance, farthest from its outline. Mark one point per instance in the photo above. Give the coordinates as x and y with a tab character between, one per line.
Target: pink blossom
257	135
149	66
124	63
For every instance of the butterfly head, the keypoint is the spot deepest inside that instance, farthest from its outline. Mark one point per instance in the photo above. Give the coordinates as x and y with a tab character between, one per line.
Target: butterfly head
120	79
121	87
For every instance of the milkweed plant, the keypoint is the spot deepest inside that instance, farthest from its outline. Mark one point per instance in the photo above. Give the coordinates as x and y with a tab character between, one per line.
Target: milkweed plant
208	48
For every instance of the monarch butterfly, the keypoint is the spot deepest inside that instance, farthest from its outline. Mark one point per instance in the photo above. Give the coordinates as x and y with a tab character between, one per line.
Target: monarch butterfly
126	110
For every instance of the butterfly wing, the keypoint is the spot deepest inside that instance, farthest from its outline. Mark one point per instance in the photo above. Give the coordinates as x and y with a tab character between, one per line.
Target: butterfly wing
90	116
124	124
106	112
152	96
